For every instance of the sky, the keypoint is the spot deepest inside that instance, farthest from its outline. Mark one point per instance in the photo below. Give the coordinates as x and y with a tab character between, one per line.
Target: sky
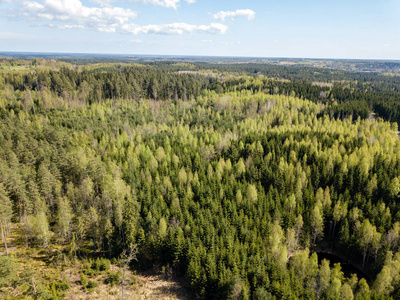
348	29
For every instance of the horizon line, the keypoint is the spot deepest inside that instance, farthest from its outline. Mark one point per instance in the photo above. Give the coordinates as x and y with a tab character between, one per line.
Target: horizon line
44	53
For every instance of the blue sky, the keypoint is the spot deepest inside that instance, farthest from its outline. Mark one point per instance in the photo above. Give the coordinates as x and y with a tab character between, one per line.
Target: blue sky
286	28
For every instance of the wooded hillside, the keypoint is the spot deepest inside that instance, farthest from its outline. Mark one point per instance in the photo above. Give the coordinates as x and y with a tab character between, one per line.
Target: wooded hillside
244	186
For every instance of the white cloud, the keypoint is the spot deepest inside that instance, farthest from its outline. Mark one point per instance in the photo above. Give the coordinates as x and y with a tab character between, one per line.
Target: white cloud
32	6
71	27
74	13
175	28
66	26
103	3
45	16
110	29
165	3
248	13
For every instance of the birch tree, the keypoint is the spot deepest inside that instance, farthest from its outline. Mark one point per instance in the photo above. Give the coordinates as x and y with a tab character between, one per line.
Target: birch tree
5	215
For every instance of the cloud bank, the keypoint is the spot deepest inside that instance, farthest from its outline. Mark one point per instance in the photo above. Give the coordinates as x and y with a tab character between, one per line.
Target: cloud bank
175	28
72	14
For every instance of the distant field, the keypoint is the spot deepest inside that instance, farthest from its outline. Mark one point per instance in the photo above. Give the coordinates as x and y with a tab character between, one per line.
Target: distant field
17	68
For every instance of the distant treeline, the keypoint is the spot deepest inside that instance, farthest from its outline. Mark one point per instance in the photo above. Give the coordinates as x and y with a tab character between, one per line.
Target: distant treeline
358	80
350	94
115	82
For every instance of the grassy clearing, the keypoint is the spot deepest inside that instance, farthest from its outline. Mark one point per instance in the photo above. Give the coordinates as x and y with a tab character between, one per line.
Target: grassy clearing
53	275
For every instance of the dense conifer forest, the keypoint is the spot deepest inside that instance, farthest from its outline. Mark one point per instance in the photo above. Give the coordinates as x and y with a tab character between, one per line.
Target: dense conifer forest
246	182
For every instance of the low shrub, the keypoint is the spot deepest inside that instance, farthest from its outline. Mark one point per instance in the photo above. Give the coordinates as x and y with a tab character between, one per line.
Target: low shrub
113	278
92	284
57	288
101	264
83	279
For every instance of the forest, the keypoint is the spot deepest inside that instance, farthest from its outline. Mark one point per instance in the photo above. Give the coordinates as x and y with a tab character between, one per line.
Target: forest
245	183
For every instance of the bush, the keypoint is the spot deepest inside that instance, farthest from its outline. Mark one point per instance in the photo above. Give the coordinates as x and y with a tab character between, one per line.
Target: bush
44	292
57	288
83	279
104	264
62	285
113	278
8	269
114	260
92	284
101	264
89	272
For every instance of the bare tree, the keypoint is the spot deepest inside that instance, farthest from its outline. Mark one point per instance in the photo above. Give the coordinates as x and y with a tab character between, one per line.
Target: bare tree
126	257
